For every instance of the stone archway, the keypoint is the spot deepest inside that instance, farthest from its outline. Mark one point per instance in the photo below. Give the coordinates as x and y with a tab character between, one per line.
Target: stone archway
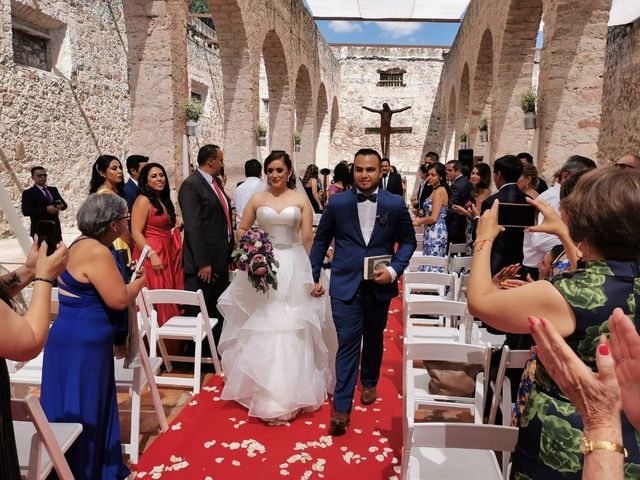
462	115
482	83
279	101
514	70
304	119
450	138
323	133
240	88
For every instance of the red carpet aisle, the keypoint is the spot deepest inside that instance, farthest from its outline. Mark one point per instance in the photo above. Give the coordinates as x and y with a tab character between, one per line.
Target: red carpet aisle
215	440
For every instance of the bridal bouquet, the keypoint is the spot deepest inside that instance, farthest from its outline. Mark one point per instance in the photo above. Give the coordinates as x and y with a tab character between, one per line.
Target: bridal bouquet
254	255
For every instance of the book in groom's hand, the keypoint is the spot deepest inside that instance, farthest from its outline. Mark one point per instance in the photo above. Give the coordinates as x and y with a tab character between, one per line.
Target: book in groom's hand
371	264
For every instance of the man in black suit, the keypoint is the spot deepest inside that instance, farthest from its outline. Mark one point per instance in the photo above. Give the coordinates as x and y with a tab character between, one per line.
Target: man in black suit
134	165
390	181
459	194
208	231
424	189
41	202
507	247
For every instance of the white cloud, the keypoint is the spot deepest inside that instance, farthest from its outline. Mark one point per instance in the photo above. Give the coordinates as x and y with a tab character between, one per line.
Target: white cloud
341	26
398	29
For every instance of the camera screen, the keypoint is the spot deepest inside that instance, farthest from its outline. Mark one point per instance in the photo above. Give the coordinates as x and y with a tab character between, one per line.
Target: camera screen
516	215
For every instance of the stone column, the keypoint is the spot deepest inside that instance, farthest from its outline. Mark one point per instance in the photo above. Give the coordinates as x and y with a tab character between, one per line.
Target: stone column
157	57
571	78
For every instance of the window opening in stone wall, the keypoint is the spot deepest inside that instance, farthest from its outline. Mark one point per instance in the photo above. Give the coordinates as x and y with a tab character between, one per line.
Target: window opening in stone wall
30	47
265	104
392	78
196	96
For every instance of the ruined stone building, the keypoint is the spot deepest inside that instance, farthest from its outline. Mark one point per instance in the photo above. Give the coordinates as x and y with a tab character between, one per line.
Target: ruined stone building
79	78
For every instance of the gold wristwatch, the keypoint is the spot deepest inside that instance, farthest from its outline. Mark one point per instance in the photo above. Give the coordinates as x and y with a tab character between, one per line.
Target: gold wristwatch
588	446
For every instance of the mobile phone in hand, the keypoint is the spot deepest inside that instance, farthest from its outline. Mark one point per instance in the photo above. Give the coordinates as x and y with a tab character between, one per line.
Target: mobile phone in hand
48	232
519	215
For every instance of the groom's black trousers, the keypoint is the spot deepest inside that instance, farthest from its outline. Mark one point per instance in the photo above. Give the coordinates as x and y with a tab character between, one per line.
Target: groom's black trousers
361	319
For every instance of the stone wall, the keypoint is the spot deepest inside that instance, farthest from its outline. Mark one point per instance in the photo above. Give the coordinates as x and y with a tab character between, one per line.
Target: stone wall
620	123
205	78
359	86
58	120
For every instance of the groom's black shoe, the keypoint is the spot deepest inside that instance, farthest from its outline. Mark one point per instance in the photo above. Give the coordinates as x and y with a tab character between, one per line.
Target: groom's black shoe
368	395
338	424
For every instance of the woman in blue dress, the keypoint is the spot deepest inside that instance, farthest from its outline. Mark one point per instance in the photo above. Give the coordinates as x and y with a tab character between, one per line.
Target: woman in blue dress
78	382
435	239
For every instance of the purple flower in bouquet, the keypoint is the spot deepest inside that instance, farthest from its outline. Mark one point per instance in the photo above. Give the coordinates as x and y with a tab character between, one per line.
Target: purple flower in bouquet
254	255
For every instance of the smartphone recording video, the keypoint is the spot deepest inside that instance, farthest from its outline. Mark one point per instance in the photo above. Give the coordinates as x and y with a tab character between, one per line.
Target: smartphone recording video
47	231
519	215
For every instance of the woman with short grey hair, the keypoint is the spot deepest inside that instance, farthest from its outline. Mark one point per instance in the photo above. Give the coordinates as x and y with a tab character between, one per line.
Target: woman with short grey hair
78	382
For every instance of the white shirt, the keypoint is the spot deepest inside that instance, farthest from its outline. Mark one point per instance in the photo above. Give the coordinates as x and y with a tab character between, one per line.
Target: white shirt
134	180
536	245
367	217
244	192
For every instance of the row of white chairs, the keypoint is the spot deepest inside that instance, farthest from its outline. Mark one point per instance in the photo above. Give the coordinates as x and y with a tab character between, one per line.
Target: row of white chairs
439	328
132	380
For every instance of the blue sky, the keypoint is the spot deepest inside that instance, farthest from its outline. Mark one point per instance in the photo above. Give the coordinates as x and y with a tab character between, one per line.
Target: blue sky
395	33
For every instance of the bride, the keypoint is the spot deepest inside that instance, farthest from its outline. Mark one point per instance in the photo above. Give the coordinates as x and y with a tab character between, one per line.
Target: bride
274	345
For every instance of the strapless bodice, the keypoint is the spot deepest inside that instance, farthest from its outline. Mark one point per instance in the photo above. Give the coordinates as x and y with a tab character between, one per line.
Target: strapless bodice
283	226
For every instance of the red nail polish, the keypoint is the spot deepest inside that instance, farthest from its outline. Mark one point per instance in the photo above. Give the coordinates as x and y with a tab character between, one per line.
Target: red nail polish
603	349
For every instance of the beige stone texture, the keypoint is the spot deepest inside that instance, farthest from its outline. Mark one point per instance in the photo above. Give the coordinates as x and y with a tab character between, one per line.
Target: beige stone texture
620	125
64	121
359	86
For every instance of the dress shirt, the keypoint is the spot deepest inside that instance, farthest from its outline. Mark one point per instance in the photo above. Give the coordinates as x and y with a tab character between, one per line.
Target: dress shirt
244	192
385	179
367	217
536	245
209	179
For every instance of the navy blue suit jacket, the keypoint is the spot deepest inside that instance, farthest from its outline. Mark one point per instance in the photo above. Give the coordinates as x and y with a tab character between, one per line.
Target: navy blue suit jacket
131	192
340	222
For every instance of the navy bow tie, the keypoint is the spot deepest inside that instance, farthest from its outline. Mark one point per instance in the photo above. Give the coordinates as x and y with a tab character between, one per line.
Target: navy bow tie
363	198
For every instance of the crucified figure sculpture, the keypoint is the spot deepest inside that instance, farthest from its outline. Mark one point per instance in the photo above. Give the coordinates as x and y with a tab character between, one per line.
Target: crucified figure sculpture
385	125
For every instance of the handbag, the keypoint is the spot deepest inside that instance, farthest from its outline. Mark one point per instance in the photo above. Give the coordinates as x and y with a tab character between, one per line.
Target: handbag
452	378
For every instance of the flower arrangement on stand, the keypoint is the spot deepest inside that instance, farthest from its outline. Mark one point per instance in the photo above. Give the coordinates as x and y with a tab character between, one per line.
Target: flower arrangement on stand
528	105
483	128
261	131
193	110
254	255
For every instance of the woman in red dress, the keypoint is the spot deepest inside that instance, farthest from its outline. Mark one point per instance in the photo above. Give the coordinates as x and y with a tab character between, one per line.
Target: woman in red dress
154	223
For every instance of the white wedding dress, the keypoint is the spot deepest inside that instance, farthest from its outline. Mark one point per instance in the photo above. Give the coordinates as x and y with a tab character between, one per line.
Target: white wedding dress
278	349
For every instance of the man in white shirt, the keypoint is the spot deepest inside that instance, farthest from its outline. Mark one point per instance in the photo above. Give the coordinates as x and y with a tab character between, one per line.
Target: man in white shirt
247	189
536	245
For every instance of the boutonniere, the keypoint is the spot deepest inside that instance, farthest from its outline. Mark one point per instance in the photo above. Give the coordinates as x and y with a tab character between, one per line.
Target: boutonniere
383	219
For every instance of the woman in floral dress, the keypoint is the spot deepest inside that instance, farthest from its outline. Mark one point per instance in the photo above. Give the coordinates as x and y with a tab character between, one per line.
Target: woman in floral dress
578	304
435	238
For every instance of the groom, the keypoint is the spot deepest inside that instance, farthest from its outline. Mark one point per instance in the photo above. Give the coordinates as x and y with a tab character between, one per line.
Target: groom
364	222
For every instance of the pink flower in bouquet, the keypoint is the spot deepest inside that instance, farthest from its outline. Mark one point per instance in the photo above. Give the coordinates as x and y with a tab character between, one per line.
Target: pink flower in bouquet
255	256
260	271
267	247
258	259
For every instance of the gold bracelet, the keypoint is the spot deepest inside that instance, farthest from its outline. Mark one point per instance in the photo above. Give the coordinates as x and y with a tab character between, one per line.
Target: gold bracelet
588	446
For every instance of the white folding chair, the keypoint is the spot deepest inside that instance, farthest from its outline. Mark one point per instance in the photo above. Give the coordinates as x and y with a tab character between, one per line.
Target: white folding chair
435	284
419	241
416	379
128	380
458	264
508	359
425	310
181	327
419	259
457	248
32	432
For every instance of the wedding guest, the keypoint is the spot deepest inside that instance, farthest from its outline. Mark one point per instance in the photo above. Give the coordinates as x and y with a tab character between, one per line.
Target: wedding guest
459	194
107	178
528	181
252	185
134	165
42	202
312	187
600	396
434	241
208	231
578	304
390	180
527	159
424	190
340	180
78	382
480	180
154	223
23	336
